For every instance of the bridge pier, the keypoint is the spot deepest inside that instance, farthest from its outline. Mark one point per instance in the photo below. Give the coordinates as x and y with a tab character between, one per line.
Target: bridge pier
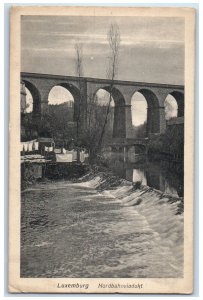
122	122
125	153
128	120
162	119
119	126
43	107
156	122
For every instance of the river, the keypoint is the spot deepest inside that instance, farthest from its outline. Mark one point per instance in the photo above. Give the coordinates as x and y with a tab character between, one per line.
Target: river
164	175
75	230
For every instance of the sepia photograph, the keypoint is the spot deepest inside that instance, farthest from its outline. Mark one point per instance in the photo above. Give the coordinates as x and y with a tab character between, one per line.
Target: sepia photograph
102	103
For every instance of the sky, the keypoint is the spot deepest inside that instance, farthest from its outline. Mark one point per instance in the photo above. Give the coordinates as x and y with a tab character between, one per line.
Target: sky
151	48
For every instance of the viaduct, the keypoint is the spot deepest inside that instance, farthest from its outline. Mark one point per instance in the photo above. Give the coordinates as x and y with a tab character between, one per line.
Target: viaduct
83	89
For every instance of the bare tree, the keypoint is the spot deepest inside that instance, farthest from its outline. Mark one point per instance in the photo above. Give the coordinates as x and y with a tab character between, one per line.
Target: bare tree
79	72
114	44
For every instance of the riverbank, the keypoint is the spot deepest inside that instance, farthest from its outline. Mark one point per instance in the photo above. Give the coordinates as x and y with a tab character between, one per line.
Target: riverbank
33	173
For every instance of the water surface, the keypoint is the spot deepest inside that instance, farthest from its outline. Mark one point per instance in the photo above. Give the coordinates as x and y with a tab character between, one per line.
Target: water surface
72	230
164	175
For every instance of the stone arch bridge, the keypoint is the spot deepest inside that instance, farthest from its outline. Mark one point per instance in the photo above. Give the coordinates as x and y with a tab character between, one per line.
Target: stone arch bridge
83	89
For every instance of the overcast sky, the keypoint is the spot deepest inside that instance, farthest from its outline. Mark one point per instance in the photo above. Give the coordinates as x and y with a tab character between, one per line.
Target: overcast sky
151	49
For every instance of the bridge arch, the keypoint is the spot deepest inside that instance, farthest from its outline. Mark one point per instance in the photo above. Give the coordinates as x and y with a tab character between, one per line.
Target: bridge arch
179	97
35	96
139	148
74	91
29	101
152	114
119	121
117	96
136	148
59	95
170	107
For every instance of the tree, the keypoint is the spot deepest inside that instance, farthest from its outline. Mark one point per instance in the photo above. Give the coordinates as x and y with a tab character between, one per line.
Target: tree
91	134
28	124
97	116
114	44
140	131
56	123
79	72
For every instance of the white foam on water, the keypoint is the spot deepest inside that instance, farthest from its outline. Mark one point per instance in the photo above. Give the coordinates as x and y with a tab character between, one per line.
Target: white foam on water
147	232
159	226
42	244
93	183
121	191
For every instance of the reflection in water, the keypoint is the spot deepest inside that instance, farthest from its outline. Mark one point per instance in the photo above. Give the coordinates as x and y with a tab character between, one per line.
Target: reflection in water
165	176
139	175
